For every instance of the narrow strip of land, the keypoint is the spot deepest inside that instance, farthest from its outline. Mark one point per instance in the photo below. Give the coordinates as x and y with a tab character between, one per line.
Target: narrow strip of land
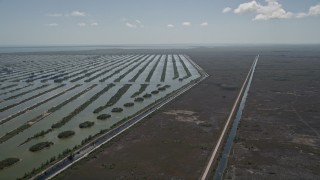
219	144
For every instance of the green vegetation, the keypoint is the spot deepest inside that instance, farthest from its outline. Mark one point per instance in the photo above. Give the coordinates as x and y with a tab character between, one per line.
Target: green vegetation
74	75
90	138
39	134
40	146
119	70
143	87
53	159
104	116
26	92
138	99
32	121
99	109
59	106
155	92
175	69
34	106
8	162
10	86
130	70
114	99
140	71
147	95
94	70
58	80
86	124
164	70
82	107
102	73
17	89
32	97
163	88
83	76
66	134
117	109
130	104
186	69
62	102
13	133
152	70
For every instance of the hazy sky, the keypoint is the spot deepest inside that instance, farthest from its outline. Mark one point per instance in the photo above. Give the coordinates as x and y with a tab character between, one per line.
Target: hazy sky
103	22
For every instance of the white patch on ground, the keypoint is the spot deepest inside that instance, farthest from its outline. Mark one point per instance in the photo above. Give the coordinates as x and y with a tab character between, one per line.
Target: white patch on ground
184	116
304	139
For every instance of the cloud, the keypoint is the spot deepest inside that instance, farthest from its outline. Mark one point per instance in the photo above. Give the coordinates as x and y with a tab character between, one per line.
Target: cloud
139	23
133	24
247	7
170	26
52	24
314	10
94	24
186	24
55	15
226	10
301	15
129	25
272	10
204	24
78	14
82	24
73	13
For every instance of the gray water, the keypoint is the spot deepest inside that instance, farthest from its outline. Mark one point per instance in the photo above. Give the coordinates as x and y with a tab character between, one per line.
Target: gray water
227	148
30	160
25	49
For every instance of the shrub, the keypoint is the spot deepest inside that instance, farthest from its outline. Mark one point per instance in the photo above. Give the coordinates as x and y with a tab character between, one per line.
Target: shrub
103	116
155	92
65	134
139	99
40	146
147	95
130	104
58	80
86	124
117	109
8	162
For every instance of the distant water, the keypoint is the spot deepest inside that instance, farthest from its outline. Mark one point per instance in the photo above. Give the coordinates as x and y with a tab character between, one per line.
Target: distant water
81	48
315	48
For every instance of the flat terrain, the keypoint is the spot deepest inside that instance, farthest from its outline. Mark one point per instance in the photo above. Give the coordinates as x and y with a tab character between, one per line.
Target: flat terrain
278	136
174	142
44	96
279	133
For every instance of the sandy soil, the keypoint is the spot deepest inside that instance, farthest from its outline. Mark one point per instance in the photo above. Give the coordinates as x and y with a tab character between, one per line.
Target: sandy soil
175	142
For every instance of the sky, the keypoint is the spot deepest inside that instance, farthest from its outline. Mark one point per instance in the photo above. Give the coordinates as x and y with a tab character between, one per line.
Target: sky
116	22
